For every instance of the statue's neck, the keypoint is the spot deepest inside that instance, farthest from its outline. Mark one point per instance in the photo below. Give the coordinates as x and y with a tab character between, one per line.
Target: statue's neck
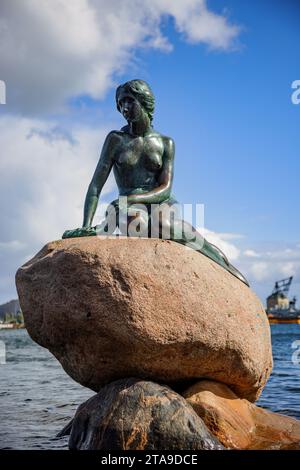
141	127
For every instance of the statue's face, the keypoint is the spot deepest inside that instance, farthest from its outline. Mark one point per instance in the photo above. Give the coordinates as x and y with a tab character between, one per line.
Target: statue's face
129	106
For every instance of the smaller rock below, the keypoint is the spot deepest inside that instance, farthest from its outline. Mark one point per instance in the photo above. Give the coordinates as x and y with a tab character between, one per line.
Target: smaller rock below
239	424
132	414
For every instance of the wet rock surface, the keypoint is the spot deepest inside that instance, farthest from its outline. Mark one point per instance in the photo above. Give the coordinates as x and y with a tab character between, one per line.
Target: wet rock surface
239	424
132	414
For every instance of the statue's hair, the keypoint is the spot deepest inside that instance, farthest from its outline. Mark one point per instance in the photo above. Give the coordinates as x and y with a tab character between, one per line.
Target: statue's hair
142	92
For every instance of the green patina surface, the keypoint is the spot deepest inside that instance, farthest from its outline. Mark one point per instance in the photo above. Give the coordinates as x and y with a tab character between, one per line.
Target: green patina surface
142	160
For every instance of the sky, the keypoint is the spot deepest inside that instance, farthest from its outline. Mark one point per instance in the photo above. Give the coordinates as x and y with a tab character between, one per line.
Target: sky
222	74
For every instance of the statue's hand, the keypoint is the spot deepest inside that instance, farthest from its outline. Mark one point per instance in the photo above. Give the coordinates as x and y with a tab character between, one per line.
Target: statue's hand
79	232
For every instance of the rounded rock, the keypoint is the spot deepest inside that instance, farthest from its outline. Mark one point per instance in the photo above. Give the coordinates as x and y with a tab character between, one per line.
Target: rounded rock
111	308
132	414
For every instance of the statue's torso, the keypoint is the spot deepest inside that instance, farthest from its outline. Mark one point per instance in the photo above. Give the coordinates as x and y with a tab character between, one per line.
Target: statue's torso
138	162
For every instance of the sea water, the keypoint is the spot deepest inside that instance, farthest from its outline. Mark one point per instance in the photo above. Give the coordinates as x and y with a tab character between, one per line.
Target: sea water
37	398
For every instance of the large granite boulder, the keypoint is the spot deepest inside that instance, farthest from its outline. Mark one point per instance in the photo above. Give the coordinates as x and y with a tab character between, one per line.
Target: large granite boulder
132	414
154	309
239	424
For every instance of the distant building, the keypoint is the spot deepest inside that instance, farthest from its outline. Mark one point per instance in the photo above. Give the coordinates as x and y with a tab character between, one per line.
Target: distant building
12	307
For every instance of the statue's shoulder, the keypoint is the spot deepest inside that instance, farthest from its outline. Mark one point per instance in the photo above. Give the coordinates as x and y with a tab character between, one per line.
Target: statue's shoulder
118	134
167	141
114	136
169	144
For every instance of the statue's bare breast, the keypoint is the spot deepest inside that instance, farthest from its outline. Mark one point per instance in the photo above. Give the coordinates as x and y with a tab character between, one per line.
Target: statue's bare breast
138	161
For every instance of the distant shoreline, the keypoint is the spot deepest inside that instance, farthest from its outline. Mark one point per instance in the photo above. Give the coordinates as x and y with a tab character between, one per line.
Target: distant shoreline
11	326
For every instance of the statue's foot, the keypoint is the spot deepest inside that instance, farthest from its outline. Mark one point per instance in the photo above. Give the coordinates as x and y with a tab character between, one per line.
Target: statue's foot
238	274
80	232
69	234
229	266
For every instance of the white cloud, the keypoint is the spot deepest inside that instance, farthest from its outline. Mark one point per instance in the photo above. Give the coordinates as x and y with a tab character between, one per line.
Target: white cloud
263	267
260	266
44	176
251	254
56	49
198	24
12	245
260	270
290	268
221	241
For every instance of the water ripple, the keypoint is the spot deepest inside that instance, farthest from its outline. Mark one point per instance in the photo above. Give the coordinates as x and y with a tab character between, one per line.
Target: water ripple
38	398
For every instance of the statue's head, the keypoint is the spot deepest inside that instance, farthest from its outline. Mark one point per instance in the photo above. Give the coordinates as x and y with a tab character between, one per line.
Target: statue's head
142	92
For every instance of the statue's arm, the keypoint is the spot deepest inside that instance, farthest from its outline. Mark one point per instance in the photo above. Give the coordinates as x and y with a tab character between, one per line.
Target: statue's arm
163	190
100	176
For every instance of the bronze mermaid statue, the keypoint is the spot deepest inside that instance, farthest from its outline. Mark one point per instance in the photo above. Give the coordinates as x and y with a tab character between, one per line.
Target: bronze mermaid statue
142	160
